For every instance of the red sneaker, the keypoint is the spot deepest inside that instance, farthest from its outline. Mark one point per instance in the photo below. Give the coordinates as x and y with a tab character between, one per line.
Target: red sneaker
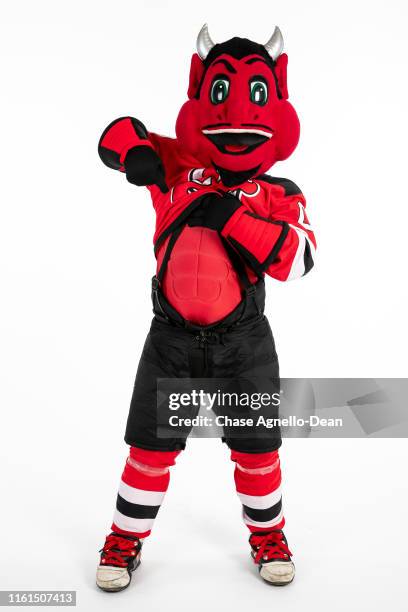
119	558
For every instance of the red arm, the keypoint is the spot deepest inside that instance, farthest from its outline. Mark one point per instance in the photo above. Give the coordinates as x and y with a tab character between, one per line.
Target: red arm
118	138
279	243
126	145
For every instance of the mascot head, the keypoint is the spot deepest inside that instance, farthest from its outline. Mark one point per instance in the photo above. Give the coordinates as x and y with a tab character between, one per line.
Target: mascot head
238	117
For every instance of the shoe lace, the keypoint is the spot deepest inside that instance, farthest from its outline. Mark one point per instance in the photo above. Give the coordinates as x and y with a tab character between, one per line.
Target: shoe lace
269	546
117	550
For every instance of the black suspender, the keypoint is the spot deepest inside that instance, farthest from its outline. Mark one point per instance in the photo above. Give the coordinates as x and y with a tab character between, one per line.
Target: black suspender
170	247
237	263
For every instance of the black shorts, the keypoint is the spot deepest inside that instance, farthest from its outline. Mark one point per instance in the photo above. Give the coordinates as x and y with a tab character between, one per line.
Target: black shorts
246	351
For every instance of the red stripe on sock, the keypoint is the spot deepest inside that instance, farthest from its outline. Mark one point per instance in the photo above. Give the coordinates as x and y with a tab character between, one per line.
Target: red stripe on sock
248	484
254	460
256	484
135	477
159	459
137	534
280	525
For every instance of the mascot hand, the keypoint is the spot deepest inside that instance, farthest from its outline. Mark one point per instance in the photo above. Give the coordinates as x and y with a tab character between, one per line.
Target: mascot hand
214	211
144	167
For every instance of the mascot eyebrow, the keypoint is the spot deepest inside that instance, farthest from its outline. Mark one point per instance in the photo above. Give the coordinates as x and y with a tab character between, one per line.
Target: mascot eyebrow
252	60
226	63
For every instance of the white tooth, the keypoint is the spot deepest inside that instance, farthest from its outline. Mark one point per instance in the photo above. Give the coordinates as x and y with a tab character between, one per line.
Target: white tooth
239	131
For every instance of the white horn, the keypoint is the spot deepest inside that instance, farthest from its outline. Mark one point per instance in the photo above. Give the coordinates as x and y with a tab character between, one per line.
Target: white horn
204	42
274	46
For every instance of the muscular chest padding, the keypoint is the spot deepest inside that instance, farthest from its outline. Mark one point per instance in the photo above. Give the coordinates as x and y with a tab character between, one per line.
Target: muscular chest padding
200	281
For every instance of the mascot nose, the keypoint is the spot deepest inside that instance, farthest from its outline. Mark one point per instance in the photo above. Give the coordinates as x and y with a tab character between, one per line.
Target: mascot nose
234	112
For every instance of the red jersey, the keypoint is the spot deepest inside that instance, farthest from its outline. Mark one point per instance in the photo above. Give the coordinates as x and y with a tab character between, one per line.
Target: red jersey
270	231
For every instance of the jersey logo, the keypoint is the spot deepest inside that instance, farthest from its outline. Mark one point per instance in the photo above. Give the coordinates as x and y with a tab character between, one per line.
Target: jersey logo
250	189
208	177
203	176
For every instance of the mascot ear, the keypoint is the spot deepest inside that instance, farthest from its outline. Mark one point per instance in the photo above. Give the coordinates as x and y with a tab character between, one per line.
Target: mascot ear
281	74
196	73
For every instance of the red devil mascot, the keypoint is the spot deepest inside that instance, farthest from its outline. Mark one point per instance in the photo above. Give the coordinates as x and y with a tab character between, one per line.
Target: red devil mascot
222	224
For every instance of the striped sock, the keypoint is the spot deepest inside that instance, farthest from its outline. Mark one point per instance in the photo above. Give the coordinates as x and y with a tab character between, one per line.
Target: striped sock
257	480
142	488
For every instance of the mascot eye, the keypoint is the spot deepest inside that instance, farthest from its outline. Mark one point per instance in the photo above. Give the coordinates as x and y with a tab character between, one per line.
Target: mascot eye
219	90
258	92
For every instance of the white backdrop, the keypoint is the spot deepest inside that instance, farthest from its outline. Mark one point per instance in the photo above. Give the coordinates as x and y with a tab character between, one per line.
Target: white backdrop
76	261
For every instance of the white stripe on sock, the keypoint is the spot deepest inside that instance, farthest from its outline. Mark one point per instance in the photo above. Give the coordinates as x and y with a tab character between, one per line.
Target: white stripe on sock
132	524
261	502
139	496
